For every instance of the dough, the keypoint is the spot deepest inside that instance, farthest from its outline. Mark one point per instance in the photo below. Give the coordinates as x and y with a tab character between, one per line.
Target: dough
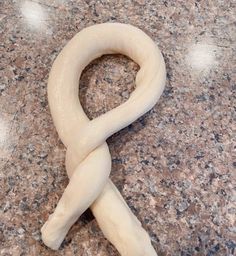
88	161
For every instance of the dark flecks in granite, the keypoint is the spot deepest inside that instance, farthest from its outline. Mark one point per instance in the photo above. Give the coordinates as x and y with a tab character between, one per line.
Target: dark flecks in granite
174	166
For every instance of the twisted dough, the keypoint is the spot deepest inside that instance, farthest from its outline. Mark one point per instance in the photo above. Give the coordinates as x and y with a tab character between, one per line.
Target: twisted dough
88	161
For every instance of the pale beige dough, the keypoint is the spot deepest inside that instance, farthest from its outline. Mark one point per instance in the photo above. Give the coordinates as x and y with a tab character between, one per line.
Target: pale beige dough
88	161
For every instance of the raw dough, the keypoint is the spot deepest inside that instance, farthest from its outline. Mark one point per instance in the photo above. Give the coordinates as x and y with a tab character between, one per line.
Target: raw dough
88	161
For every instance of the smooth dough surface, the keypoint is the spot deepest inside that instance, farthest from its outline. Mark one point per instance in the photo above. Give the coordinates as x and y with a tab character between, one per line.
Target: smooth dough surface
88	161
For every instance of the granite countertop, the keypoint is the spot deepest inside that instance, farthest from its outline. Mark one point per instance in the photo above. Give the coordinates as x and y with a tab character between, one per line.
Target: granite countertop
174	166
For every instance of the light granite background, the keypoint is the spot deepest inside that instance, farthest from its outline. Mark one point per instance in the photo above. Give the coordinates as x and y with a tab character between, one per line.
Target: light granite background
175	166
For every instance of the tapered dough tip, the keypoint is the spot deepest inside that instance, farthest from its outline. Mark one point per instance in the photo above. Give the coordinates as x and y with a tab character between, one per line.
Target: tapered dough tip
49	238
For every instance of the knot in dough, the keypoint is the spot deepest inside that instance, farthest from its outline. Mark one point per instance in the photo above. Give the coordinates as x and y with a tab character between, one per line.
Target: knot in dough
88	161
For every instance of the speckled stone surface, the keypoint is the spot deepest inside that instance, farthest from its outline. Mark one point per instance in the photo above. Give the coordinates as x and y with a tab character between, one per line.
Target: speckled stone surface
175	166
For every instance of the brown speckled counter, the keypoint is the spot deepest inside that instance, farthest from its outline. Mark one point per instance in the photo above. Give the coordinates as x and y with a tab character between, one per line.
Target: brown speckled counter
174	166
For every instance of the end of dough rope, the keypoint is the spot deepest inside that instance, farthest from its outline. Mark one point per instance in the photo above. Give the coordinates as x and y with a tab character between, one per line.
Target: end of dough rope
88	161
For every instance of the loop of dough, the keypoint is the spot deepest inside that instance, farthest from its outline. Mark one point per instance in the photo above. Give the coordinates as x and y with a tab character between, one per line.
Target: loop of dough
88	161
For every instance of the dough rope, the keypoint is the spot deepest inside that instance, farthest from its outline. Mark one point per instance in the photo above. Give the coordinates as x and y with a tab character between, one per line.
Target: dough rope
88	161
